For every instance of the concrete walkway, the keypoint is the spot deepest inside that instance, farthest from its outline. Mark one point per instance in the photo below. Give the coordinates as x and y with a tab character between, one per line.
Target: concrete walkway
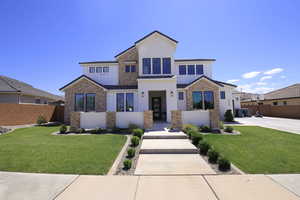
162	153
283	124
214	187
289	181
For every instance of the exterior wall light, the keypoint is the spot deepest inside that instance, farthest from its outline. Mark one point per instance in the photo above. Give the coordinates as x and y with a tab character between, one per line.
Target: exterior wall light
143	93
172	93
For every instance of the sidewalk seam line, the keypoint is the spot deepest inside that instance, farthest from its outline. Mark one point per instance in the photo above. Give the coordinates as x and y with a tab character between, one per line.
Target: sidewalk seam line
211	188
136	189
284	187
58	194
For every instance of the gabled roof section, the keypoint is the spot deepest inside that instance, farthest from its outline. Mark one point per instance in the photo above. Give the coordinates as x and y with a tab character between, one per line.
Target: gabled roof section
83	77
143	38
201	77
195	59
156	77
98	62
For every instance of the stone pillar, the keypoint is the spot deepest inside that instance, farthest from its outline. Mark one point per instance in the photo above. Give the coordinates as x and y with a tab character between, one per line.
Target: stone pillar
214	119
110	120
148	119
176	121
75	119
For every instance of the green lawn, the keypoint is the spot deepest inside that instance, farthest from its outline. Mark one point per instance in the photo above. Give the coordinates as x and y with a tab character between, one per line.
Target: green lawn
36	150
260	150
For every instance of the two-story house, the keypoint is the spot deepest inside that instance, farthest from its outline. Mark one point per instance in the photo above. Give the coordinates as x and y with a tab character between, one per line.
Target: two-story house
146	78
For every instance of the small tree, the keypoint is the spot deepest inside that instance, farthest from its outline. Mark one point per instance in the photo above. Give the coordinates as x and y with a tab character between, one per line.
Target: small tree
63	129
228	116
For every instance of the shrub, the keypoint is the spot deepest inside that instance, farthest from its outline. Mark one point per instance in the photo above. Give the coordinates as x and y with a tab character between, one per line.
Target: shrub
138	132
41	120
63	129
130	153
228	116
213	156
224	164
127	164
135	141
73	129
93	131
81	130
203	147
229	129
133	126
116	130
189	127
205	129
221	125
196	138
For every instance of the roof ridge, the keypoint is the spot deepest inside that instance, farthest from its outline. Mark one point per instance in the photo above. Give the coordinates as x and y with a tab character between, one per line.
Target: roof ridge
1	77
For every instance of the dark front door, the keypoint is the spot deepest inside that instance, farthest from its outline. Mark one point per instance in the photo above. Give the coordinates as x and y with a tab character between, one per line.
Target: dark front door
156	108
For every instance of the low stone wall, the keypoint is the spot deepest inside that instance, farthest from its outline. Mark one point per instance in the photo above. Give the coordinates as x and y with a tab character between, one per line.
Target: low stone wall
176	119
148	119
110	120
18	114
75	119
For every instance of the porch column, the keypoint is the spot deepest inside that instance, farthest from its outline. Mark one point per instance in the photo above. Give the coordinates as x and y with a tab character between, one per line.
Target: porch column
75	119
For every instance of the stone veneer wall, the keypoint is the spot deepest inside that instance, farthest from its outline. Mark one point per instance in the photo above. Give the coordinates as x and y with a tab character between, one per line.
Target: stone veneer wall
110	120
206	85
128	78
176	119
148	119
83	86
75	119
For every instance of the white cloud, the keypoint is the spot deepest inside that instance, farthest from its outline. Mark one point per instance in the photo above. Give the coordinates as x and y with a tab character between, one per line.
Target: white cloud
233	80
261	83
283	77
252	89
250	75
273	71
265	78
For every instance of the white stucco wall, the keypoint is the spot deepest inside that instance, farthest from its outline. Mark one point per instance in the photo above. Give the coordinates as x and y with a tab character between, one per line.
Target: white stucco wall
105	78
226	104
196	117
123	119
155	46
168	85
91	120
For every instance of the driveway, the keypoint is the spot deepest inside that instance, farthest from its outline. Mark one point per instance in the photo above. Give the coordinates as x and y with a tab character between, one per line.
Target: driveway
283	124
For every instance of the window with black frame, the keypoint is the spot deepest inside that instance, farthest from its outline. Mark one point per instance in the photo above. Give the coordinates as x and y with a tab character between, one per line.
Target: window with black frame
120	102
197	100
90	102
79	102
208	100
129	102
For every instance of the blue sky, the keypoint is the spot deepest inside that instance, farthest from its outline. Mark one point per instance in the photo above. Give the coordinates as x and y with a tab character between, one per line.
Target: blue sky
43	41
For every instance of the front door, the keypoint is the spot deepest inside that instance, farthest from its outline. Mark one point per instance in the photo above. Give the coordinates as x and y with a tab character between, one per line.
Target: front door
156	108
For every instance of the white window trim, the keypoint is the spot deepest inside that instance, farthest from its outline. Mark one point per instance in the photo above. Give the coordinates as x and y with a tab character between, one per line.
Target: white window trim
125	103
161	66
186	69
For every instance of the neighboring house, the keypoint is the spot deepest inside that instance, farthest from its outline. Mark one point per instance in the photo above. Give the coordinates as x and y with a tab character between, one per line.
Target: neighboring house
251	96
14	91
146	76
282	97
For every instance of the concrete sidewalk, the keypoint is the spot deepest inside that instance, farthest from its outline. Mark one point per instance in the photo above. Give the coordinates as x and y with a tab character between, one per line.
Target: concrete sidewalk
211	187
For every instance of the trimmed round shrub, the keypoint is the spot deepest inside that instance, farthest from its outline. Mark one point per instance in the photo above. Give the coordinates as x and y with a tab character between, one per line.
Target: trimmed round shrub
100	130
73	129
224	164
63	129
205	129
93	131
203	147
135	141
190	133
133	126
127	164
228	116
189	127
41	120
130	153
229	129
213	155
138	132
196	138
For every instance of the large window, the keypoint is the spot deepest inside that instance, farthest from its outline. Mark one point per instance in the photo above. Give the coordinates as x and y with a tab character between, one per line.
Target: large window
197	100
120	102
209	100
146	66
180	96
156	66
166	65
191	69
92	69
130	68
79	102
182	69
199	69
222	95
125	102
129	102
90	102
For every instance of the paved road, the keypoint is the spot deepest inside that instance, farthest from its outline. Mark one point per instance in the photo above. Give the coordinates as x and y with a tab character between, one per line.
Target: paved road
283	124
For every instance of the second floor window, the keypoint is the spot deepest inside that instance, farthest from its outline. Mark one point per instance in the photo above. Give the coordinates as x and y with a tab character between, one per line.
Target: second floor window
191	69
166	65
130	68
199	69
222	95
180	96
146	66
182	69
156	66
92	69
